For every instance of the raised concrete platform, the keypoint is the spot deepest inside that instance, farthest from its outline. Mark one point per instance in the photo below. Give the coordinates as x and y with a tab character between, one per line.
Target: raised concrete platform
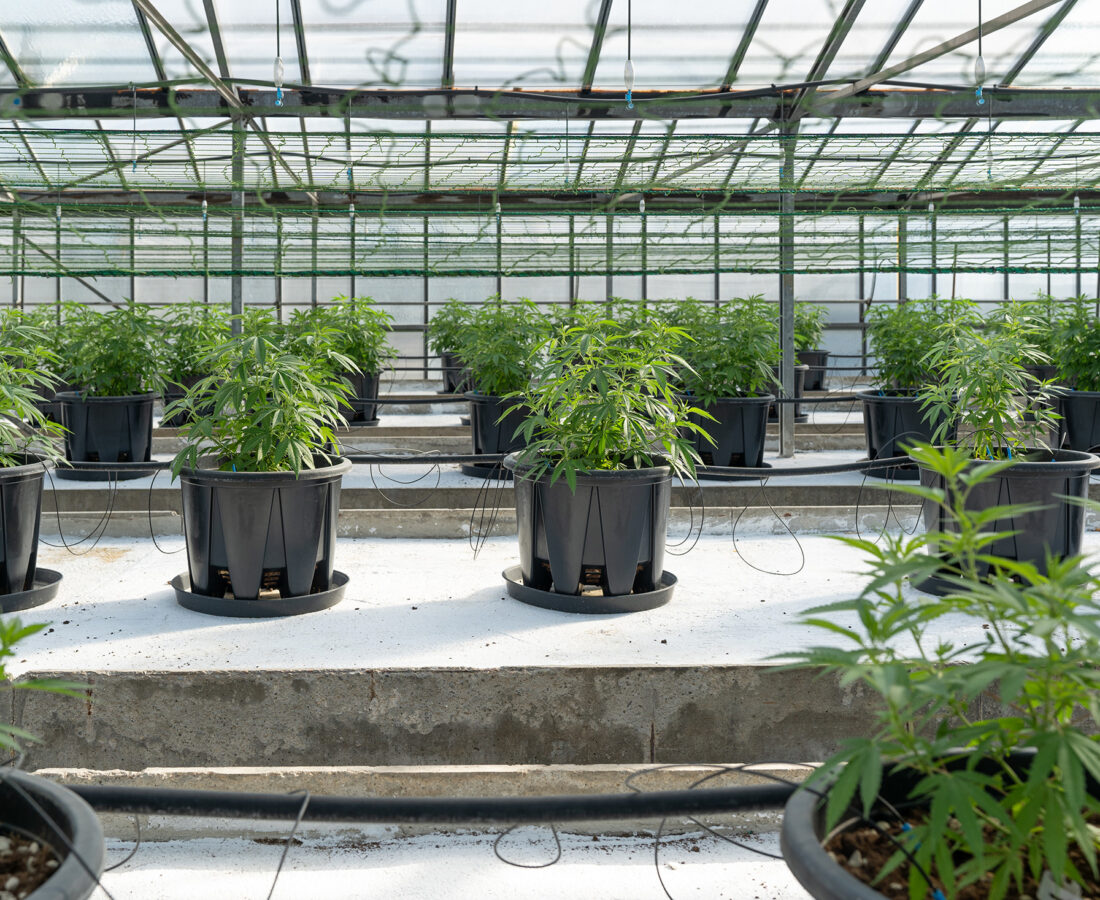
428	663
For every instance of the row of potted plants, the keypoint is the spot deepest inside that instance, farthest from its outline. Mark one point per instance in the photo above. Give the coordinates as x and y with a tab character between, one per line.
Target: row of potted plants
107	369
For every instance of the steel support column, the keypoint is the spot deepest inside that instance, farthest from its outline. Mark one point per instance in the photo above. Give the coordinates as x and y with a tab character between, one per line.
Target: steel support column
786	290
1077	252
903	258
236	237
15	279
1004	249
133	280
278	267
425	295
608	285
717	262
932	244
864	301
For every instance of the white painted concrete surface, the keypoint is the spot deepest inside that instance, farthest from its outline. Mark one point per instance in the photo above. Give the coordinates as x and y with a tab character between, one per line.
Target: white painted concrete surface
423	603
453	867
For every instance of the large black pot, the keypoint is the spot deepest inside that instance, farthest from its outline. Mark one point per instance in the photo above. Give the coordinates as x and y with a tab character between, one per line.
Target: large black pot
610	532
20	515
106	429
456	377
364	389
818	362
490	435
1080	425
803	831
76	876
738	431
799	391
891	423
1042	479
253	531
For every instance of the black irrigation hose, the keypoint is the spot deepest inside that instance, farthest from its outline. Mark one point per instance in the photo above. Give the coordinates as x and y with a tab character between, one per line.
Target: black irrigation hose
425	458
860	465
432	810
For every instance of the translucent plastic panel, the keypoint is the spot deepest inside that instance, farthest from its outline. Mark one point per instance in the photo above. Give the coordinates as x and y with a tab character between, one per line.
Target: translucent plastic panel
787	42
868	37
69	42
530	43
398	44
686	45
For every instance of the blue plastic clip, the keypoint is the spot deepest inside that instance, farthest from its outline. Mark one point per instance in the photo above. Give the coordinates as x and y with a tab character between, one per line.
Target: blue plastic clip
978	94
278	96
629	100
938	895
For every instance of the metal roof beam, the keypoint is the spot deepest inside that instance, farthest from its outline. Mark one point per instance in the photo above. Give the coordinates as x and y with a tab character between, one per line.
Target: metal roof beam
942	49
584	155
504	156
903	24
893	156
216	37
628	154
449	45
300	40
226	93
743	46
598	31
10	61
812	161
841	27
318	102
664	149
31	154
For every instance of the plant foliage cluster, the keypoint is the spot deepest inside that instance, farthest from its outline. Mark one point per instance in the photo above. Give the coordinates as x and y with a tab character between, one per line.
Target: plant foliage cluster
1028	639
903	336
499	343
27	365
732	350
1077	350
606	397
809	325
353	328
113	354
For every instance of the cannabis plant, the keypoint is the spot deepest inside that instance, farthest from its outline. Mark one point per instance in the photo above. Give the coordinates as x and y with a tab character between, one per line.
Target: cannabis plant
192	331
267	410
1077	347
116	353
1000	409
352	328
605	397
974	816
499	344
903	336
732	351
445	325
809	325
26	367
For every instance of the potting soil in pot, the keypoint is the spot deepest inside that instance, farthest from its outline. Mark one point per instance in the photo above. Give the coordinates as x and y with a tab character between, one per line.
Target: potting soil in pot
24	864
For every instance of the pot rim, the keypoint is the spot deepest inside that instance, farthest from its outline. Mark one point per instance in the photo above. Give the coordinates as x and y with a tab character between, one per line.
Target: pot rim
339	467
36	463
1072	462
86	397
597	476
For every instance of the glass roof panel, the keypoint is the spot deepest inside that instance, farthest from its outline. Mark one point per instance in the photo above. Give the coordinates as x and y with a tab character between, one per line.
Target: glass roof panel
1068	57
873	28
940	20
383	44
534	44
248	33
787	43
684	46
63	42
188	18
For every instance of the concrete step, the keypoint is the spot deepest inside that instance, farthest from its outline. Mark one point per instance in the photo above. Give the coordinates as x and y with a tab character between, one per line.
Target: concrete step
428	662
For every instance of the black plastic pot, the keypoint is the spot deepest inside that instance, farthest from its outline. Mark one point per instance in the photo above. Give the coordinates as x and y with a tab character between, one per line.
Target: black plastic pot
803	830
799	391
364	389
106	429
610	533
20	515
891	422
818	361
76	876
1042	479
248	532
739	430
490	435
1080	423
456	377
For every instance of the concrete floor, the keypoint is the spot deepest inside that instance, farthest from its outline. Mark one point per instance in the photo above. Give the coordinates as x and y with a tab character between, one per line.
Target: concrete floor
454	867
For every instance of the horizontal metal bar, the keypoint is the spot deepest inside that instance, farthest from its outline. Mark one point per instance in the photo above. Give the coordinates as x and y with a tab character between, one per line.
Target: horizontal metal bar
307	102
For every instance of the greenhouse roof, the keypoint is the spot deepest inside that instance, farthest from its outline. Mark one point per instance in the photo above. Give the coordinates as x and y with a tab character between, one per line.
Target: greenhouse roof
119	116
